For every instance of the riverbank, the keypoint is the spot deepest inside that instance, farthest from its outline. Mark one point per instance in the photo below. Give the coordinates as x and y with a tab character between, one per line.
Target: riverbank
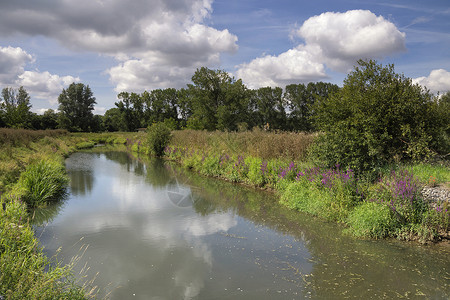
32	175
395	204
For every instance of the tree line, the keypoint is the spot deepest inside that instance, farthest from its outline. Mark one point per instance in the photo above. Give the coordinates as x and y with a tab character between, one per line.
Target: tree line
213	101
216	101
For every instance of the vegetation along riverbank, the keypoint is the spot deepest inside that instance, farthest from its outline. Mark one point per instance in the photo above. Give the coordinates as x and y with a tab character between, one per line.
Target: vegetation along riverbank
32	175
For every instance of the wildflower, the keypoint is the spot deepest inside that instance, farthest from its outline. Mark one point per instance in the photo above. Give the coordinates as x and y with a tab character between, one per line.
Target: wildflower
263	167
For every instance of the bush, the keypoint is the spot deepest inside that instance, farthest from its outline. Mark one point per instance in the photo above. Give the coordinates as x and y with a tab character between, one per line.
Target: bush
372	220
377	117
158	138
42	181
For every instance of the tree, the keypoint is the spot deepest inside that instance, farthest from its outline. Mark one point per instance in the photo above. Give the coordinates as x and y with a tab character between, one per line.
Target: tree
76	104
49	119
160	105
376	118
209	102
301	98
113	120
270	107
16	107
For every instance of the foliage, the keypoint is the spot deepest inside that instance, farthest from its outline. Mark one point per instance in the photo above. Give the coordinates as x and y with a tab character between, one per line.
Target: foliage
330	193
372	220
158	138
216	101
401	192
257	143
16	137
376	118
76	104
301	99
42	181
85	145
15	106
26	273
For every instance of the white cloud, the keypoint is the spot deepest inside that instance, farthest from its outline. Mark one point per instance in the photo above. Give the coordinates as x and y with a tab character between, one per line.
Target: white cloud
12	63
45	85
289	67
437	81
42	85
336	40
168	38
340	39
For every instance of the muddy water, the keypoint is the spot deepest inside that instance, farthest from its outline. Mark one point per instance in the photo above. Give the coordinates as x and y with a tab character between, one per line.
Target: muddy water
149	230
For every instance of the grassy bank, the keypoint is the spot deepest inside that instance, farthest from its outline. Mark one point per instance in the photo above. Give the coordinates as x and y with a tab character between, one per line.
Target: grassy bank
390	206
32	175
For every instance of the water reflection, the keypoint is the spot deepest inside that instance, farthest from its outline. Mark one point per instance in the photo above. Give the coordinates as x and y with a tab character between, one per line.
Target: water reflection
229	242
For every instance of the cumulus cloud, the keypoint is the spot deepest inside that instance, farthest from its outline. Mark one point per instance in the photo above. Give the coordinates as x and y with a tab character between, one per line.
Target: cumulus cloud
168	38
437	81
340	39
293	65
12	63
334	40
42	85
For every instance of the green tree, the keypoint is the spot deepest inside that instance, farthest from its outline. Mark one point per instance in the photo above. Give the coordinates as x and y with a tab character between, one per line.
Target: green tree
377	117
49	119
76	104
158	138
113	120
16	106
300	99
125	106
216	100
270	107
160	105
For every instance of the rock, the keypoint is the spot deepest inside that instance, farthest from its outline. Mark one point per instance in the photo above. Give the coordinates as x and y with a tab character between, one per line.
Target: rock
436	195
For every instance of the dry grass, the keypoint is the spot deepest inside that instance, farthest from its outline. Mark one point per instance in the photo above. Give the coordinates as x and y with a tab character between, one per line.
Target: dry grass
257	143
23	137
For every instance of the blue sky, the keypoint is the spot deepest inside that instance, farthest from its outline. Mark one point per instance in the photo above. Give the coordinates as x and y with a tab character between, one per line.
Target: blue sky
137	45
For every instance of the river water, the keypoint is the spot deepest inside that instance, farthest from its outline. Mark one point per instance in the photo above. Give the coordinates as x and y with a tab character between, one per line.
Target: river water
151	230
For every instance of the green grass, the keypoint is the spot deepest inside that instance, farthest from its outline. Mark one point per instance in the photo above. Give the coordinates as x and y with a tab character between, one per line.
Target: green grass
26	273
372	220
32	174
85	145
431	174
42	181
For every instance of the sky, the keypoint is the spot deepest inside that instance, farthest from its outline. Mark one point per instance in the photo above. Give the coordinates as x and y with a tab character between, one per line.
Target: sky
137	45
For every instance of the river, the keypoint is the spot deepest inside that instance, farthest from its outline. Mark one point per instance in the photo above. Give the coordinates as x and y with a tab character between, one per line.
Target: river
147	229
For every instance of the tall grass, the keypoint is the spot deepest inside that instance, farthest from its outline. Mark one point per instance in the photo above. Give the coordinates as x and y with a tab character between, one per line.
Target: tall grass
43	181
19	137
256	143
25	272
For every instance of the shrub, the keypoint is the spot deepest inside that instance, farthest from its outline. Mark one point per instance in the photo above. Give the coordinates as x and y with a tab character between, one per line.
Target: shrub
158	138
376	118
372	220
42	181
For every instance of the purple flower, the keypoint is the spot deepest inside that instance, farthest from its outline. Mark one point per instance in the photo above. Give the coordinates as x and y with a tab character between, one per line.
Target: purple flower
263	167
